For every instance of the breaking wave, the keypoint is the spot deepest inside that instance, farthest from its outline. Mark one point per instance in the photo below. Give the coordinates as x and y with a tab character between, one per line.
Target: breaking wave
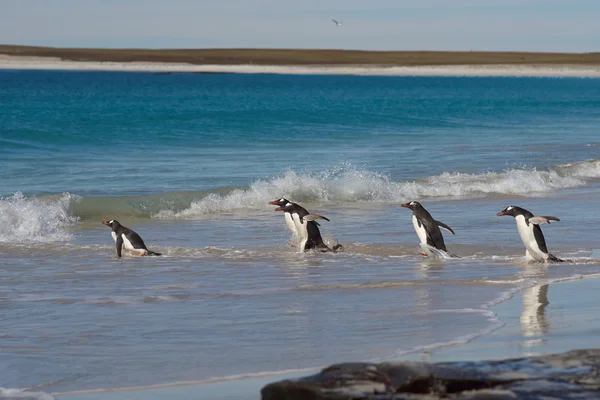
25	219
347	184
24	394
47	218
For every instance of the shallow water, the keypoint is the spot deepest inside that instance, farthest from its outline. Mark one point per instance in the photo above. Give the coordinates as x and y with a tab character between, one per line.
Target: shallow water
191	161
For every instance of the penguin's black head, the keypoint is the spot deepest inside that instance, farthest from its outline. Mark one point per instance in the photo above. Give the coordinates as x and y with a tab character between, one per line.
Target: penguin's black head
512	211
113	223
413	205
281	202
285	206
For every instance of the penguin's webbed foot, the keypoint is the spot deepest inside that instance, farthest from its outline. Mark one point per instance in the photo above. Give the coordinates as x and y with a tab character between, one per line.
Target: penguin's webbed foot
138	253
553	258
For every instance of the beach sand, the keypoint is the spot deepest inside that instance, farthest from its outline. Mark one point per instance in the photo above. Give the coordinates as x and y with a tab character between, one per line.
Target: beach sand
544	319
298	61
52	63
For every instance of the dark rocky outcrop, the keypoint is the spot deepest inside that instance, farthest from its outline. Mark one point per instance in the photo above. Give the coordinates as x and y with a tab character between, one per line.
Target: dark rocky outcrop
571	375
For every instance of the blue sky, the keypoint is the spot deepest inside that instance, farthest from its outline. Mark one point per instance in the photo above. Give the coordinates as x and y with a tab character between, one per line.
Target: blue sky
528	25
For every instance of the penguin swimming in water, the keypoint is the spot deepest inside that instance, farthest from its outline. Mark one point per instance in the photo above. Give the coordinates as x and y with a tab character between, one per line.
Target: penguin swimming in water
428	231
128	239
306	227
531	234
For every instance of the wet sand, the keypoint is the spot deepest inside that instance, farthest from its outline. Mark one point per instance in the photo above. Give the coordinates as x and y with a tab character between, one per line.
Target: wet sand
543	319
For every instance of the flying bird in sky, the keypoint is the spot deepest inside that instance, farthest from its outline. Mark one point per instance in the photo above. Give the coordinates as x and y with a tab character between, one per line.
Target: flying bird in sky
338	23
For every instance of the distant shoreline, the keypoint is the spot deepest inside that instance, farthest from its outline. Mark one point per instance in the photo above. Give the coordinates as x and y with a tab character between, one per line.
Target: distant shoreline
290	61
296	57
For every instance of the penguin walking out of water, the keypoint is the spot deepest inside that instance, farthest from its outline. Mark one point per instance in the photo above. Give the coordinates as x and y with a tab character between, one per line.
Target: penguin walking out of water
428	231
531	234
128	239
289	221
304	225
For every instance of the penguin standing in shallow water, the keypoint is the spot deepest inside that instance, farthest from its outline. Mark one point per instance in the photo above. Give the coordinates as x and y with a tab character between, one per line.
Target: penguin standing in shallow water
289	221
305	225
428	231
531	234
128	239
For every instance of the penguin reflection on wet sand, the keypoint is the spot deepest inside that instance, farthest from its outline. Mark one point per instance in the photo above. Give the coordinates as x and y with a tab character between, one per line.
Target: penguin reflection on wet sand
531	234
129	240
428	231
303	226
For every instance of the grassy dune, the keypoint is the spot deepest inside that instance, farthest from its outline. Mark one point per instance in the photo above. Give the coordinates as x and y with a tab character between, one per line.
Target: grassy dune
305	57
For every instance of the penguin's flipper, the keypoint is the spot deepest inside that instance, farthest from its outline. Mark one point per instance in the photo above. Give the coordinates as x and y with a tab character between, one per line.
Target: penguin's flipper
312	217
542	219
119	244
446	227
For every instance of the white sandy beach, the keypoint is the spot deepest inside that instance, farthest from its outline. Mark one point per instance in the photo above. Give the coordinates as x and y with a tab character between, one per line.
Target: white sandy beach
53	63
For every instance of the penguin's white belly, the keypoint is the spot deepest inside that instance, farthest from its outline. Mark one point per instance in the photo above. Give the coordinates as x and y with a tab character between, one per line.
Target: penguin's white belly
420	230
126	243
302	230
291	225
528	238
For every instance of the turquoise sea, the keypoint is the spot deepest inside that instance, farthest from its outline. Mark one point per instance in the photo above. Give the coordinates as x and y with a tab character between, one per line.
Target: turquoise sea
190	162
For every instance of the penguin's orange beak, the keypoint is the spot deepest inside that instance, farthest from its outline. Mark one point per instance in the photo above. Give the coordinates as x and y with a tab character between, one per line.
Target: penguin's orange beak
501	213
273	203
279	209
405	205
106	222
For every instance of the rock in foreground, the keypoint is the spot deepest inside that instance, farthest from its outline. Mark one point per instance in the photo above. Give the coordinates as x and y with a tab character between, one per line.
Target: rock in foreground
571	375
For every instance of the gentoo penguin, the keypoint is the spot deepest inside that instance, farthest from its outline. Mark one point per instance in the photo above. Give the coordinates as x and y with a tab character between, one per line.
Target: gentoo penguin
128	239
306	227
531	234
428	230
288	218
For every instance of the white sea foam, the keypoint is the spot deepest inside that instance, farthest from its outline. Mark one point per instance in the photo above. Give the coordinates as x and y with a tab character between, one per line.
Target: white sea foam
585	169
24	219
21	394
347	184
108	300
